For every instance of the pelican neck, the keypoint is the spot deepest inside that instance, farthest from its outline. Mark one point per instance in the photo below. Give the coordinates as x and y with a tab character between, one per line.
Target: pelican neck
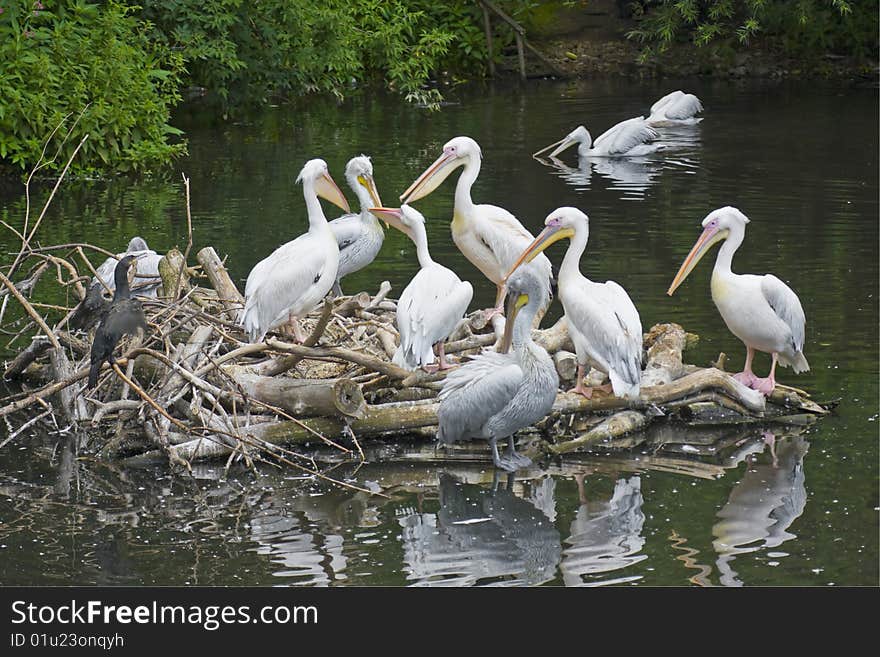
317	220
420	239
725	254
463	201
576	247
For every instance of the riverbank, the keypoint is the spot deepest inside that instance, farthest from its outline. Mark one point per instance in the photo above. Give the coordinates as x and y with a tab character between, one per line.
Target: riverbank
593	43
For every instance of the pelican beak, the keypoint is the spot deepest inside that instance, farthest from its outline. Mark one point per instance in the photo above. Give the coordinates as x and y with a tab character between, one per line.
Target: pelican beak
327	189
545	238
392	217
370	185
432	177
560	145
711	235
515	302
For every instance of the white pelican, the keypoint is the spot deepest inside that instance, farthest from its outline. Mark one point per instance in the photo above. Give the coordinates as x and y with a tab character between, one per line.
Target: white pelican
602	320
625	139
489	236
496	394
432	304
291	281
147	281
359	236
677	108
762	311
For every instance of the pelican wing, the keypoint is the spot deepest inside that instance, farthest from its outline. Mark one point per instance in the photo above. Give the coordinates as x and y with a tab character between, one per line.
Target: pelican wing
508	238
625	136
666	100
347	229
279	281
475	392
606	316
787	307
428	310
683	107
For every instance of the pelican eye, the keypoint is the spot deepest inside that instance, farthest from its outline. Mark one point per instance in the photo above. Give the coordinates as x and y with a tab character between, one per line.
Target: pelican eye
362	179
522	300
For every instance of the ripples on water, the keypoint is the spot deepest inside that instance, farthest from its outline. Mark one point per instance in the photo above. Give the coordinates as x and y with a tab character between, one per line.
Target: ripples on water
730	508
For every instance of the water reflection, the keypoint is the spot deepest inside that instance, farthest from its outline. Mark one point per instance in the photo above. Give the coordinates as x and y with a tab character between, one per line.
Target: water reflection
633	176
606	535
762	506
480	536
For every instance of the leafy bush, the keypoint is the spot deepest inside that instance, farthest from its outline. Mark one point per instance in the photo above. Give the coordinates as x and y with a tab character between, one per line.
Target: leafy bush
801	27
60	58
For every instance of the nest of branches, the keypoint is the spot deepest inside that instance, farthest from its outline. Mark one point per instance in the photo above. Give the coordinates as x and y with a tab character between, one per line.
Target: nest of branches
193	387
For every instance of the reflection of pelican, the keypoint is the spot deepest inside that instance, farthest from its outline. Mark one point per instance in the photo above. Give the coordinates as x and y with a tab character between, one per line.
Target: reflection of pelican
761	507
627	138
605	536
496	394
146	282
676	108
631	174
602	320
432	304
489	236
479	536
359	236
294	279
762	311
300	550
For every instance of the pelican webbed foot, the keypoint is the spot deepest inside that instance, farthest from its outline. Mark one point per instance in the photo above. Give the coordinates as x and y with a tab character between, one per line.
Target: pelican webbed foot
512	460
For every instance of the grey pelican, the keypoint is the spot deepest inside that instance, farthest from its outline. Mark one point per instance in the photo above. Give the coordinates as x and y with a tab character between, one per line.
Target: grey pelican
627	138
146	269
489	236
125	316
432	304
293	280
762	311
676	108
602	320
496	394
359	236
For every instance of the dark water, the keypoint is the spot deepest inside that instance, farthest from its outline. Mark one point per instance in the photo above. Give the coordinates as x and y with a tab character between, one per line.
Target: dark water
799	159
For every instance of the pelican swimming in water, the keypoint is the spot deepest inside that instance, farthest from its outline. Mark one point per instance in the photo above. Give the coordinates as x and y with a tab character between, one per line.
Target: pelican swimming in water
626	139
294	279
496	394
432	304
762	311
147	280
602	320
359	236
489	236
677	108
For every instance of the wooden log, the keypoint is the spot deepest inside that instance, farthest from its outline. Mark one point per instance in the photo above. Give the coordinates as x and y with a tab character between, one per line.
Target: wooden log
173	273
73	405
227	292
665	344
613	427
566	365
303	397
554	338
39	345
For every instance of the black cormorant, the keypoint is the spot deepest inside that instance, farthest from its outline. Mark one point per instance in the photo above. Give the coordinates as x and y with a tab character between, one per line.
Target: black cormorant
124	317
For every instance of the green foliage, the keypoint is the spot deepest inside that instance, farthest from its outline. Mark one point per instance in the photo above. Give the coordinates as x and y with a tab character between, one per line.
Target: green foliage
246	53
66	58
801	27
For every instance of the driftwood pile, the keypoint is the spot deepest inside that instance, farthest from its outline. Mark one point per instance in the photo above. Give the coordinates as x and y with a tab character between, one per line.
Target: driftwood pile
193	388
